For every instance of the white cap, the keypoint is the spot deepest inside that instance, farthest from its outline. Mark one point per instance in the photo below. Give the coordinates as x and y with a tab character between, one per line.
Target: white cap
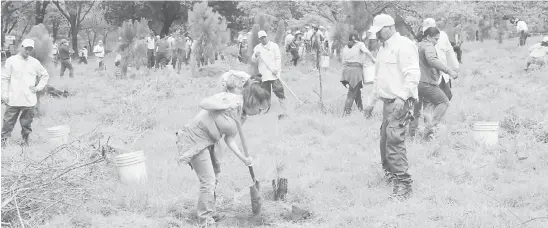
28	43
427	23
321	27
261	33
380	21
545	39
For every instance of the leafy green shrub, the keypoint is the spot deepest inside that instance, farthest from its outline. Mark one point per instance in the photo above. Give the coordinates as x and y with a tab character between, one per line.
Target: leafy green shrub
132	45
43	43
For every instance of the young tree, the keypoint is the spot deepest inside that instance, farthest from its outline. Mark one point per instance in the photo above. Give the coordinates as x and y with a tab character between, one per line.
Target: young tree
208	29
40	11
132	46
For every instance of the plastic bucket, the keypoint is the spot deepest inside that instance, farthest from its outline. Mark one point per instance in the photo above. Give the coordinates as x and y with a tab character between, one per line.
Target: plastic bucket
369	75
131	167
486	133
59	135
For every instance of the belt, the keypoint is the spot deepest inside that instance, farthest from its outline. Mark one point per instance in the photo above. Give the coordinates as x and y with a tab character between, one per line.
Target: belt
65	59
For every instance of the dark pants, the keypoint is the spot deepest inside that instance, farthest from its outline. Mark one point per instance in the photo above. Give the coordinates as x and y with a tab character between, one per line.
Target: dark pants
457	50
83	60
25	115
66	64
446	88
295	54
523	38
354	95
150	58
274	86
392	143
434	102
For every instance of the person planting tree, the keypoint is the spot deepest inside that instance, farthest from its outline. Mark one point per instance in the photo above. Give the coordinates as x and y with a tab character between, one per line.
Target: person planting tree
19	90
220	116
64	55
539	53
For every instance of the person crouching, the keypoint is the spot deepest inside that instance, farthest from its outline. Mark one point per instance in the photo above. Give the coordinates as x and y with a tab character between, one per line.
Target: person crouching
539	54
219	117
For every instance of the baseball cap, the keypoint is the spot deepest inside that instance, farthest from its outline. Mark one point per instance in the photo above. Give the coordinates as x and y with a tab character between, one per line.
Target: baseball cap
380	21
27	43
261	34
427	23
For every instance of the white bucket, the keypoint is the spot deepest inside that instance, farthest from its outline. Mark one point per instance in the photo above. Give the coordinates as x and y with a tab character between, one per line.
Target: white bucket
325	61
369	75
131	167
486	133
59	135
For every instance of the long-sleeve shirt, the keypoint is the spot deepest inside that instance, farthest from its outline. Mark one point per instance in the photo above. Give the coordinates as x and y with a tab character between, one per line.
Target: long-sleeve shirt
538	51
521	26
19	75
446	54
430	63
99	51
271	60
398	71
64	52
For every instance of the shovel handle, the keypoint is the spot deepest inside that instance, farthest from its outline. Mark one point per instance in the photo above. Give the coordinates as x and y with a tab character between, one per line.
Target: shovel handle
252	173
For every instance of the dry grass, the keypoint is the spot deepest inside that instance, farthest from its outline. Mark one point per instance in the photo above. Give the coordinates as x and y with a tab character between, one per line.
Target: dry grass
332	163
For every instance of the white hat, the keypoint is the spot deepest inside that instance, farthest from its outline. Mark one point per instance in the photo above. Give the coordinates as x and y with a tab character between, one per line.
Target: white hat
545	39
380	21
321	27
261	33
427	23
28	43
298	32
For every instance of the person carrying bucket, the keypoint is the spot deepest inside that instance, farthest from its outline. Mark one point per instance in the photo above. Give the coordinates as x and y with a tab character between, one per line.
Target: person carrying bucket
219	117
19	90
354	56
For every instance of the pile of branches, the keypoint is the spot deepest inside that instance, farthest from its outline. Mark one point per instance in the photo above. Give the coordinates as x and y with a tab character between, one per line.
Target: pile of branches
35	190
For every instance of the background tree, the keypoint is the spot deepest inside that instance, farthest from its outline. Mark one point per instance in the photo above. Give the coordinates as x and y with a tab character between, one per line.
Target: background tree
12	16
132	45
40	10
74	12
208	29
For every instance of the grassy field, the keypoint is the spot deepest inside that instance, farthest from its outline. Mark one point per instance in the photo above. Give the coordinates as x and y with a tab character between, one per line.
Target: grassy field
332	163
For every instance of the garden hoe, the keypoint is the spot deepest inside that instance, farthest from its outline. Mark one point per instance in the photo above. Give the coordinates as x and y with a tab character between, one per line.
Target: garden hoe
255	187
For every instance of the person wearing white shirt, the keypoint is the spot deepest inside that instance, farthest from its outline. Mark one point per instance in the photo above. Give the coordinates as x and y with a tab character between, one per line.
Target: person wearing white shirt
55	54
84	55
523	31
99	52
19	88
288	39
267	55
151	45
397	77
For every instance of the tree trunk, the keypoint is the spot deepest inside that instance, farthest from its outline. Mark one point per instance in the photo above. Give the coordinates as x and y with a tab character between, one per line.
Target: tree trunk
166	26
74	38
279	187
55	29
40	12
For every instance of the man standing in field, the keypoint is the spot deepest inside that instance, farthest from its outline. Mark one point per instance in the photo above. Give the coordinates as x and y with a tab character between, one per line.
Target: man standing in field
64	55
151	45
99	52
523	31
396	81
162	52
267	55
19	89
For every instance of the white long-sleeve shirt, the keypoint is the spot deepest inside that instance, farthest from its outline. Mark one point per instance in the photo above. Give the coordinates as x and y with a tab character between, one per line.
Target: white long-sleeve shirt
99	51
19	75
397	70
271	60
521	26
446	54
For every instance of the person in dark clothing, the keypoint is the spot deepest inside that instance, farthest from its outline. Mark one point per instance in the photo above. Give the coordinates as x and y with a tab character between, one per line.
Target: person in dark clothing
64	56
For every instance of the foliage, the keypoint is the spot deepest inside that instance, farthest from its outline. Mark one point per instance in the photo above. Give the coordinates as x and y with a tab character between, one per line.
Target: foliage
43	43
95	26
74	12
132	46
208	29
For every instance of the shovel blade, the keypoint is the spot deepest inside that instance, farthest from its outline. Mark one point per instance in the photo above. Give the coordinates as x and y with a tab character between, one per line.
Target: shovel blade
256	203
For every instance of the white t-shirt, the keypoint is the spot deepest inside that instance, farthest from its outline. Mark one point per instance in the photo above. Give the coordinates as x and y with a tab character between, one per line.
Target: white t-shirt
151	43
99	51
